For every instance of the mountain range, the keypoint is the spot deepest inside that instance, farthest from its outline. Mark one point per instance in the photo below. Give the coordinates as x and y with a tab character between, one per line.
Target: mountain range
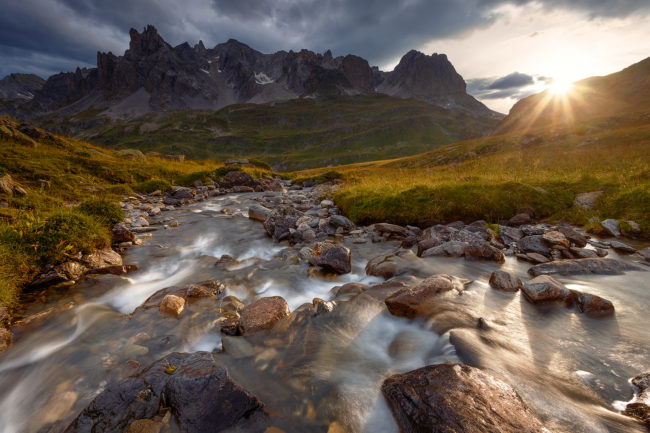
154	76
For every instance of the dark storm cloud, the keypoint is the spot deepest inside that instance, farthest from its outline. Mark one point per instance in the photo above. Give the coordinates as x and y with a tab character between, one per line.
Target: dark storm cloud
515	86
515	79
60	33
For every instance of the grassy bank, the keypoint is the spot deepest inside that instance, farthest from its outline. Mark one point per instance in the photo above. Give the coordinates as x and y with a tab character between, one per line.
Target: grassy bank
490	178
72	189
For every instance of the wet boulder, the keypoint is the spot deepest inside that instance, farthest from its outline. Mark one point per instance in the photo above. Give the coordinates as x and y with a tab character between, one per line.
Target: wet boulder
101	259
598	266
610	227
263	314
120	234
200	394
510	235
505	281
533	244
280	221
622	247
413	301
391	229
556	239
546	289
258	213
595	306
331	257
172	305
337	222
388	266
447	249
483	251
645	254
576	238
640	407
449	398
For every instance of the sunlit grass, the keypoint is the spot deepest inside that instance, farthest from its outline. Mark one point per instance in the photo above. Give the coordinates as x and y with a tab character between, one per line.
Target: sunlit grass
491	178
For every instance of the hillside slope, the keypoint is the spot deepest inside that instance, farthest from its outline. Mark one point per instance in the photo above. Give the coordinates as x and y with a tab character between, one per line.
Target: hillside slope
290	135
623	94
490	178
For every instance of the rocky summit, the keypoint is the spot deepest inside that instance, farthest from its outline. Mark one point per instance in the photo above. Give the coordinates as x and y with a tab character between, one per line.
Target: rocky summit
154	76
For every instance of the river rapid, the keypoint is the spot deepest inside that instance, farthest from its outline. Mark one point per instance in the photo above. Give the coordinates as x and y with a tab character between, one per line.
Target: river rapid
571	370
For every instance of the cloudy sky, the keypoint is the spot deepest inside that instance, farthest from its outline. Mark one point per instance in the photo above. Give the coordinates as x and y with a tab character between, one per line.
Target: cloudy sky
505	50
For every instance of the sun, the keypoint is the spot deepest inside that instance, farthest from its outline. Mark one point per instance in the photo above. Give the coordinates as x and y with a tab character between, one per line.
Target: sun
560	86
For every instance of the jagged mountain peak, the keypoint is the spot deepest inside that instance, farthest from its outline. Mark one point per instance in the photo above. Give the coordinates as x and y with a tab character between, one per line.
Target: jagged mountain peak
146	43
153	76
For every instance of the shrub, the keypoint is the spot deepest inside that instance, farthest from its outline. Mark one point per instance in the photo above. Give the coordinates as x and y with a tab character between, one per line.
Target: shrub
121	189
105	211
149	186
188	180
66	233
260	164
222	171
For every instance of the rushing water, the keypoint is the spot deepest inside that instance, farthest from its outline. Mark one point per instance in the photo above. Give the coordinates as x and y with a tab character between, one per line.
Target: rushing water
570	369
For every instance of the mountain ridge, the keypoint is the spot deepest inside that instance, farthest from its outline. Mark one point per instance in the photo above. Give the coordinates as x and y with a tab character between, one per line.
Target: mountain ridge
154	76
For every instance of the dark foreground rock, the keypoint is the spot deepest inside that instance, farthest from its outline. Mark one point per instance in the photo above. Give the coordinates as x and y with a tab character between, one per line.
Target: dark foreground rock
598	266
331	257
201	395
457	398
639	408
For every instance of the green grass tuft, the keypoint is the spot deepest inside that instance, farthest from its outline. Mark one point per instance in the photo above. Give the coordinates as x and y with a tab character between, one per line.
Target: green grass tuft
107	212
150	186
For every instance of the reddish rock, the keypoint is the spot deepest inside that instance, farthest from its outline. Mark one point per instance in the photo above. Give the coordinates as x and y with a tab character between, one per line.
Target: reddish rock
172	305
595	306
449	398
546	289
263	314
412	301
556	238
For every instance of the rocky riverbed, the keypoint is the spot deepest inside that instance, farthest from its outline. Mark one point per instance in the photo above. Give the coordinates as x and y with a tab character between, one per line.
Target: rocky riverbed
256	306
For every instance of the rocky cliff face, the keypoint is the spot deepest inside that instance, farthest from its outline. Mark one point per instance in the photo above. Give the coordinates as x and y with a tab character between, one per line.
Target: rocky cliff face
20	86
152	76
432	79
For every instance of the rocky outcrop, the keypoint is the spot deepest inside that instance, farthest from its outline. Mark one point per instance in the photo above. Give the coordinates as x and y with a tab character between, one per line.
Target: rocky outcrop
449	398
200	394
432	79
598	266
153	76
21	87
